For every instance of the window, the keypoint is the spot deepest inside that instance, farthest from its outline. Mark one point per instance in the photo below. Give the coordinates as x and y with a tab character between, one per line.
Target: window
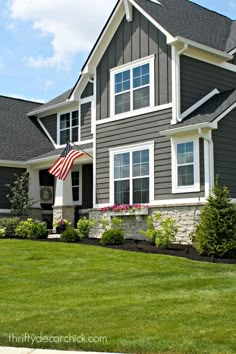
186	166
131	181
132	86
75	180
69	127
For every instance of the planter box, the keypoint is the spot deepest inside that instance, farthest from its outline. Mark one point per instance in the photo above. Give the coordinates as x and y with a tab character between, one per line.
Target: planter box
143	211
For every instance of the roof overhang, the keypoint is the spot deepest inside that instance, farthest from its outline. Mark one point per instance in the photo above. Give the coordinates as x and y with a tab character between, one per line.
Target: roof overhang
185	129
10	163
192	45
50	108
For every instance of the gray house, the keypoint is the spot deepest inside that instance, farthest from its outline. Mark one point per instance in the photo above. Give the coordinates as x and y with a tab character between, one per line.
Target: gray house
154	108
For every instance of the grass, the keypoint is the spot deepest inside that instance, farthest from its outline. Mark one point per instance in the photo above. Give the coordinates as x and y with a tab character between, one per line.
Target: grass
142	303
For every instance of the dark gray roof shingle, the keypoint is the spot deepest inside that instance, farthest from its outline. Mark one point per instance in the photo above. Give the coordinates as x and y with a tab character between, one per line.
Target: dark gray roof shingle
210	110
59	99
189	20
21	138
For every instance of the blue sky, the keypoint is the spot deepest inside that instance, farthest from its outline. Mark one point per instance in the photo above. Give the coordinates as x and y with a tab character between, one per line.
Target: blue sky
44	46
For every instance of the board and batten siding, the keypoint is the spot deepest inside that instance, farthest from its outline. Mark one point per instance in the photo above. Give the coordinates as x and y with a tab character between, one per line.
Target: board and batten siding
50	123
225	152
86	121
134	40
88	91
198	78
7	176
135	130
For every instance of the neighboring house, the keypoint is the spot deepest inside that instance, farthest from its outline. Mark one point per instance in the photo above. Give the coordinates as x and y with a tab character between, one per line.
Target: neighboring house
155	107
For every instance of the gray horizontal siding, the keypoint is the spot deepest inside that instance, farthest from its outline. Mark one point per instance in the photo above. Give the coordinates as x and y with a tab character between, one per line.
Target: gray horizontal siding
133	41
199	78
136	130
50	123
86	122
88	91
7	176
225	152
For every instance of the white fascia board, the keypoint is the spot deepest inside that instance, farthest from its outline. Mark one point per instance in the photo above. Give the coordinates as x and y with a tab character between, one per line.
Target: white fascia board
170	38
200	46
11	163
184	129
227	111
232	52
199	103
55	106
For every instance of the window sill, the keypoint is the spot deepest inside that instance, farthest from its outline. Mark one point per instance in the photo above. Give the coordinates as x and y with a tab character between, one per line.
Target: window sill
190	189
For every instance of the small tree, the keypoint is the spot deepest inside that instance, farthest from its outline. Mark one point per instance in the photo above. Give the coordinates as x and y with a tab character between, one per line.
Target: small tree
215	235
18	196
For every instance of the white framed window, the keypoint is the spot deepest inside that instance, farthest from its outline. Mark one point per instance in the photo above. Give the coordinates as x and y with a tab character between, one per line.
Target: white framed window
69	127
76	184
185	165
132	86
132	174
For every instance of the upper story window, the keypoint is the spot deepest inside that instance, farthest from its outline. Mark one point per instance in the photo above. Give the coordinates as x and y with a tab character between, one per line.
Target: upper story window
132	86
69	127
185	166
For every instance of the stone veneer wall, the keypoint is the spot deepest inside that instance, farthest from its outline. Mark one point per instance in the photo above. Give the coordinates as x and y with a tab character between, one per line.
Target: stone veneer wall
186	217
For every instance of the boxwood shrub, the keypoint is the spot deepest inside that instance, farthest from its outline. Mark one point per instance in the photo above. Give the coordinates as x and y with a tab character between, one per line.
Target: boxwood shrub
32	229
112	237
70	235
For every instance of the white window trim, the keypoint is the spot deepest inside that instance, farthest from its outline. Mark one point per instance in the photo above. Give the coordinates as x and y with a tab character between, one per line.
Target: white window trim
196	157
79	169
129	66
59	145
130	148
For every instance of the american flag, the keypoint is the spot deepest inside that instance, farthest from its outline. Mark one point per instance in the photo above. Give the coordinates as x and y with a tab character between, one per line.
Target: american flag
64	163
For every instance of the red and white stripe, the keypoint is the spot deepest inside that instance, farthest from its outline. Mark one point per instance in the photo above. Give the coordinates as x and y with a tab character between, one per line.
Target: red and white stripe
67	163
56	167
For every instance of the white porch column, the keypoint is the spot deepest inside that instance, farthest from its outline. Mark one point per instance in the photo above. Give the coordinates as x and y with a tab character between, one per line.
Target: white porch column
63	206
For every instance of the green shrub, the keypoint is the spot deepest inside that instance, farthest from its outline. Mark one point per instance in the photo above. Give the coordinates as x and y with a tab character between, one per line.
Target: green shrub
70	235
9	224
32	229
2	233
167	232
84	226
112	237
215	234
163	234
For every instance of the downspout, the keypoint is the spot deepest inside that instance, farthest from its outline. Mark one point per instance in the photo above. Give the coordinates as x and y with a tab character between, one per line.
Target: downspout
178	92
208	160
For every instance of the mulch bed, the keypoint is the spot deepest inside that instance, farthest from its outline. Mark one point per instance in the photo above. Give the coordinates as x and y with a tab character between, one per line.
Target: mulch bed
176	250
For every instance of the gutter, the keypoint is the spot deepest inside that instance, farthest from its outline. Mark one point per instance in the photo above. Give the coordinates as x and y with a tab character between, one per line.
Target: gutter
205	48
49	108
187	128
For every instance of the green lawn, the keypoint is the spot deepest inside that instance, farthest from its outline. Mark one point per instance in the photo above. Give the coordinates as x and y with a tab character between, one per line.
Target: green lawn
142	303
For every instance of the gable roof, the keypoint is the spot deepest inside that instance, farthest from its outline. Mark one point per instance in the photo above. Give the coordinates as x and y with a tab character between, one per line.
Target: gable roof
189	20
55	101
21	138
210	110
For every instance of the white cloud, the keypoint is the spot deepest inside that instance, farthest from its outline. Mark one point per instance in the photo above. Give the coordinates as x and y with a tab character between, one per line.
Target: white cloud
73	25
22	97
48	84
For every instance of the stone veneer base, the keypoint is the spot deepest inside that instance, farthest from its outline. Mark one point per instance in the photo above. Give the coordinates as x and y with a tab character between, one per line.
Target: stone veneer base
186	217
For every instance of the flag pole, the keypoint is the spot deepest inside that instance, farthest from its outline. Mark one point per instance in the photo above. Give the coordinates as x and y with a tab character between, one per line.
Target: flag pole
79	148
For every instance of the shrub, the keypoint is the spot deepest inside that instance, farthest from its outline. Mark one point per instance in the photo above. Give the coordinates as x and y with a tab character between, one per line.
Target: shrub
70	235
84	226
162	235
9	224
32	229
112	237
2	233
215	234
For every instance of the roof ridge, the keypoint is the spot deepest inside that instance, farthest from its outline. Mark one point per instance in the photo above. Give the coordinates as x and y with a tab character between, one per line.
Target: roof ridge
22	99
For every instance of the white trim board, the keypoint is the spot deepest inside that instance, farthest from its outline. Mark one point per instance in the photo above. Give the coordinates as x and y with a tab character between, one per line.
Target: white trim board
46	132
135	113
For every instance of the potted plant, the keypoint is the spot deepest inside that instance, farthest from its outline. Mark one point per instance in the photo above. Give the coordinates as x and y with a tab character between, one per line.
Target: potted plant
60	225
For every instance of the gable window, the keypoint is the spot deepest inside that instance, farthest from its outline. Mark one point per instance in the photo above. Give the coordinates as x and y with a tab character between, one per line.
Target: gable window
131	177
185	166
69	127
132	86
